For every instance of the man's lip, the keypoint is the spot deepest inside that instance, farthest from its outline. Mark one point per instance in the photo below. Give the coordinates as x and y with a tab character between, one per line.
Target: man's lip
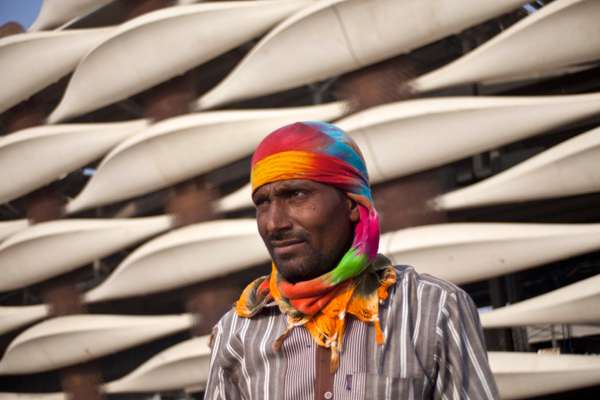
285	243
287	248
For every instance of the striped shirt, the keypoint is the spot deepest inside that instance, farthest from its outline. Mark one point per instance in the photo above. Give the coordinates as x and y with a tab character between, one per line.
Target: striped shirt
433	349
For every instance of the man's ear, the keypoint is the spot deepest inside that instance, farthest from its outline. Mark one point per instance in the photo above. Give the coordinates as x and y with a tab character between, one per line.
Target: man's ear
353	208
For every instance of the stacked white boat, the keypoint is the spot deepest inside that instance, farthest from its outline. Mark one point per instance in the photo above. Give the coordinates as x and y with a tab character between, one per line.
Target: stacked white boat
299	42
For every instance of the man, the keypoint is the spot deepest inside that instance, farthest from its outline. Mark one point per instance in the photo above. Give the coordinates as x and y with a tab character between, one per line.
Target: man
334	320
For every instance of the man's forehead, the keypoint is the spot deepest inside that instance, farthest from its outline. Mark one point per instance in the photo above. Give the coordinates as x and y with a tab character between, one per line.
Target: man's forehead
292	184
289	184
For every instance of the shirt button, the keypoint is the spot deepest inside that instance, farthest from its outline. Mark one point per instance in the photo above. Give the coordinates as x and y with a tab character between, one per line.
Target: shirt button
328	395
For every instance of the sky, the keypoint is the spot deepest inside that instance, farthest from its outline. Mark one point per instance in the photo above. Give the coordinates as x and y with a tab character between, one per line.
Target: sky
22	11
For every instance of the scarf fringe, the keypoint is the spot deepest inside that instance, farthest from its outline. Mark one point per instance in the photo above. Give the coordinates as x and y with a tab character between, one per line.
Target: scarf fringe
335	360
278	343
327	326
378	332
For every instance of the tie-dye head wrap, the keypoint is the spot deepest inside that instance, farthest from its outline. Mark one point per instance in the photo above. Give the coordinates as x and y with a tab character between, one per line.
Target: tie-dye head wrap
323	153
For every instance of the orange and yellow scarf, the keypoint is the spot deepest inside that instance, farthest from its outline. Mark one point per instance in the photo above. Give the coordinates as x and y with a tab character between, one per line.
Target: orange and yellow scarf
324	315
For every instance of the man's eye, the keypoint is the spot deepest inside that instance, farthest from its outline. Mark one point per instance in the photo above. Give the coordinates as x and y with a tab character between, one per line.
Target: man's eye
260	201
298	193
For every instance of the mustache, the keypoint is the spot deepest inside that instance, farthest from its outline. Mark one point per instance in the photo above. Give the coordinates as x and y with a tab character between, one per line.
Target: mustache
282	236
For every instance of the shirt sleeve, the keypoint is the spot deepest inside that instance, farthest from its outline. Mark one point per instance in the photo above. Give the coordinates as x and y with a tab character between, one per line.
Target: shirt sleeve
463	370
222	383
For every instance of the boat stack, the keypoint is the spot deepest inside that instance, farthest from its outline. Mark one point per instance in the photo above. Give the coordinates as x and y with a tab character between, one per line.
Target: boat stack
126	127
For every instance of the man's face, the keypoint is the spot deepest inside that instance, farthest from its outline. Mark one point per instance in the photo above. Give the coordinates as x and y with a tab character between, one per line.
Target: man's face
307	226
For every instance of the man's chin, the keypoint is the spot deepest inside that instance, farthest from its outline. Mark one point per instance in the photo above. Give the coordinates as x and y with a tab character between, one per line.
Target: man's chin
292	270
298	269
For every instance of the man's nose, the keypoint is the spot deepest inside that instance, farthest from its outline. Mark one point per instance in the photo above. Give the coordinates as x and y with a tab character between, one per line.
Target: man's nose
277	218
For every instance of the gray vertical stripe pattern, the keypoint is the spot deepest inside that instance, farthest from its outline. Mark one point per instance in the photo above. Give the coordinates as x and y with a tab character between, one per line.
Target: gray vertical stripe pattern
433	349
299	351
350	382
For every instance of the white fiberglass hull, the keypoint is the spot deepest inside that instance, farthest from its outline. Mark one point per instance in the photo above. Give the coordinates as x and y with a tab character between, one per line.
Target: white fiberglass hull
172	260
344	30
54	13
8	228
50	344
47	57
560	36
527	375
183	147
568	169
161	45
14	317
467	252
237	200
406	137
573	304
35	157
72	243
34	396
180	367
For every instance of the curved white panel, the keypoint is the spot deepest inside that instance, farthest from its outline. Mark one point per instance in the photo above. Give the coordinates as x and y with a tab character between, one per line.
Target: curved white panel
573	304
350	34
17	316
37	156
405	137
560	36
24	257
182	147
466	252
526	375
46	56
239	199
34	396
8	228
54	13
179	367
195	253
72	339
163	44
567	169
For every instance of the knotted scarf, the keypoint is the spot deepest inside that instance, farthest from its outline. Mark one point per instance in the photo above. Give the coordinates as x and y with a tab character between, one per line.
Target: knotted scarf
322	153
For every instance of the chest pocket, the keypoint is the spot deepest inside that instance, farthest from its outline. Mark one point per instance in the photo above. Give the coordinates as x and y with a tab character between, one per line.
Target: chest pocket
381	387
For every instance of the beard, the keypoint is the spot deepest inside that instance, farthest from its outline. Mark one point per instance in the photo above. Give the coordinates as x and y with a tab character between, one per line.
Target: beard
303	267
306	261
